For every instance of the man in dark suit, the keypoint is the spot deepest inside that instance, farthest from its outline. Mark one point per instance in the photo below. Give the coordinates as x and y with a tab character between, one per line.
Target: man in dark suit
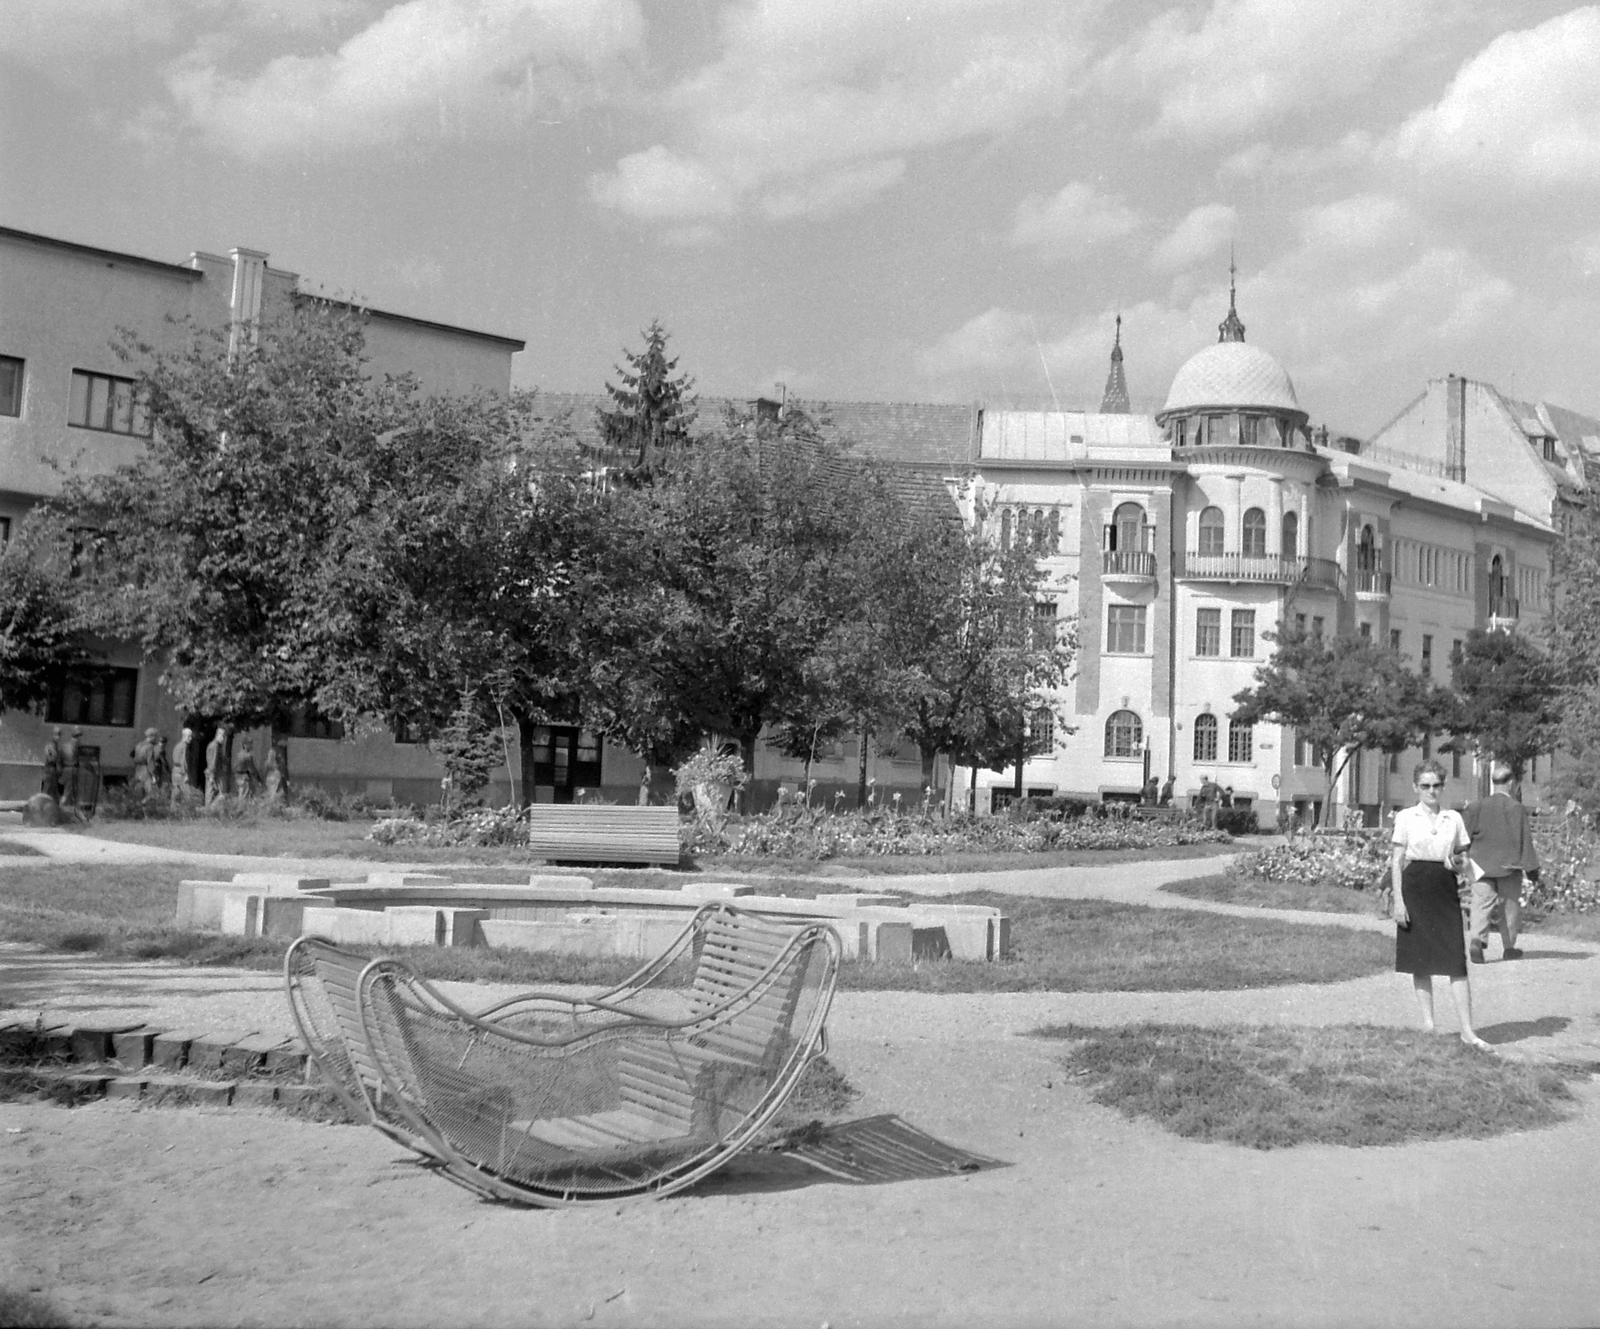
1502	848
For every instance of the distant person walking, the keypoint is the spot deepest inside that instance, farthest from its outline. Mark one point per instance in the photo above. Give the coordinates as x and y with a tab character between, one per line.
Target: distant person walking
1503	851
1428	841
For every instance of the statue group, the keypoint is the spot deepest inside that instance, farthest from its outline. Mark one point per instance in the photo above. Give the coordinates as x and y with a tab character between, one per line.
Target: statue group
229	768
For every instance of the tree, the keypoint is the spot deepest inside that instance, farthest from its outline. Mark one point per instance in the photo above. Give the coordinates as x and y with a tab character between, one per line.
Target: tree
212	547
1342	694
732	574
653	409
1573	634
1508	702
40	626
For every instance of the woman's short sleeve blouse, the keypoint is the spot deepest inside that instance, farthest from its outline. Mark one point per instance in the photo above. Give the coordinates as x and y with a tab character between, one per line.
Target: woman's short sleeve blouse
1429	839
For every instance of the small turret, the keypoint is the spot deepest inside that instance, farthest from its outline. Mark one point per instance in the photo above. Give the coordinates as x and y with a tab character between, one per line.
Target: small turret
1115	400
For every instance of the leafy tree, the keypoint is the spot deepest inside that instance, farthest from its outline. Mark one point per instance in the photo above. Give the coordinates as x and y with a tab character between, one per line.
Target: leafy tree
1508	701
212	546
652	409
1573	634
1342	694
40	625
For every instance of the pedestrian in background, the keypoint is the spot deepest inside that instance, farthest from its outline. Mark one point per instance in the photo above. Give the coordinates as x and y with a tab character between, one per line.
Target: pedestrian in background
1502	852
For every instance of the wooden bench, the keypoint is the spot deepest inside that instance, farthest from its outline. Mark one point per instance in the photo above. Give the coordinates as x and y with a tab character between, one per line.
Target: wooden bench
598	833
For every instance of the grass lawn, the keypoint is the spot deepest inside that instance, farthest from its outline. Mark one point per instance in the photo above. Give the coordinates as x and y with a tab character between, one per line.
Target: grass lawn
11	849
1232	889
23	1310
908	865
1271	1087
1574	927
1059	945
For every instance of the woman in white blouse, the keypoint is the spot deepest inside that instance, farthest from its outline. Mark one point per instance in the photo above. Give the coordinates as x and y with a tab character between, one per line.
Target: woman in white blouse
1430	937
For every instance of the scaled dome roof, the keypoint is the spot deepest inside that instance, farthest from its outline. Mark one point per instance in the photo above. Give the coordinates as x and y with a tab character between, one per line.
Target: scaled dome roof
1232	374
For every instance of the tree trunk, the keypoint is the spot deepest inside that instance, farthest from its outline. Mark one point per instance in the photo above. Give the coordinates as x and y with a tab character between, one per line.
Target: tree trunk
1022	757
929	760
747	752
861	768
525	727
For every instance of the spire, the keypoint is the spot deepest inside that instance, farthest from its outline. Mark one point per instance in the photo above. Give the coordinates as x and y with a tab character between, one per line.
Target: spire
1230	329
1115	401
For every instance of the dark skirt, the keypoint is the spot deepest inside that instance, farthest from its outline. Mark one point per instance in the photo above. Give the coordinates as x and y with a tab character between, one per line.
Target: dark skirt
1435	943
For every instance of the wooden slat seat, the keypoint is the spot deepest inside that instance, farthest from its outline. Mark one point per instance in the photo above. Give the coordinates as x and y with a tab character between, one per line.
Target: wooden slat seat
598	833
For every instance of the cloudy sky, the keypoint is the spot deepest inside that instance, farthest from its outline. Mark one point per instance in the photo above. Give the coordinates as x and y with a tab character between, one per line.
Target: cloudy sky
931	200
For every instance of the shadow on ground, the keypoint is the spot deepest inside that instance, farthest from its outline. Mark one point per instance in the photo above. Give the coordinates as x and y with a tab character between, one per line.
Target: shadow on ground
1514	1031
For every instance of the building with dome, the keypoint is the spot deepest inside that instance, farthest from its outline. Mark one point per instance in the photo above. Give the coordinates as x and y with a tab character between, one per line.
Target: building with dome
1180	542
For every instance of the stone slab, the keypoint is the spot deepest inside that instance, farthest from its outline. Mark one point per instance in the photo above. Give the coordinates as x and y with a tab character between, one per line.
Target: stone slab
461	925
280	883
206	1052
241	914
284	916
133	1047
859	901
249	1054
169	1050
413	925
125	1086
891	943
86	1085
260	1093
185	920
287	1057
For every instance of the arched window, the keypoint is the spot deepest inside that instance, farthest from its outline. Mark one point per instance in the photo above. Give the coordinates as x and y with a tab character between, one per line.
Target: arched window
1211	529
1254	544
1205	738
1055	530
1367	551
1497	579
1124	734
1290	538
1039	532
1005	528
1127	529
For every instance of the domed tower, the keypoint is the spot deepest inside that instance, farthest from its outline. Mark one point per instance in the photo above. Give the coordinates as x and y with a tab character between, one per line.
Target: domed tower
1233	394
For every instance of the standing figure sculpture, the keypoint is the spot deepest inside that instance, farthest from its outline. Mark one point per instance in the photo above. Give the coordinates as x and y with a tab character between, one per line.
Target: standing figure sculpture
144	755
69	770
246	774
160	767
51	781
217	765
181	788
277	777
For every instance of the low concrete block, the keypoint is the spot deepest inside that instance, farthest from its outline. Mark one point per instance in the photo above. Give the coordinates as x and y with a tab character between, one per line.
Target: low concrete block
559	882
241	914
461	925
968	938
413	925
582	934
349	927
125	1086
861	901
715	890
929	943
406	879
198	904
133	1047
283	915
280	883
891	942
645	933
258	1093
206	1051
212	1093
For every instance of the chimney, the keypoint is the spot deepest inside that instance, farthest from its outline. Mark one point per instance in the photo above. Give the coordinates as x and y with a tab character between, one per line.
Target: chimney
244	307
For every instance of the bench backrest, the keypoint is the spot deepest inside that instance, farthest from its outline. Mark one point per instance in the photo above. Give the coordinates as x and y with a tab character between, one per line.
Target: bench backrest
735	949
601	833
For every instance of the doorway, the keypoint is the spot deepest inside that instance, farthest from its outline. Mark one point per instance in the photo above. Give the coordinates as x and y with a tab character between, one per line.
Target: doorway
566	759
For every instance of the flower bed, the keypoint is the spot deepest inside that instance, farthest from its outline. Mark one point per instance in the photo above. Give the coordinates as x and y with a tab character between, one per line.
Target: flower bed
1355	860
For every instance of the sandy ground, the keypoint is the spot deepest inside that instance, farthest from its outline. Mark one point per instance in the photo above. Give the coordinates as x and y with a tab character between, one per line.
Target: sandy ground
193	1216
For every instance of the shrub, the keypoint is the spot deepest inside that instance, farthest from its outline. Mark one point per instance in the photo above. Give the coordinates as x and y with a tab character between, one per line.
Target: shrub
1237	821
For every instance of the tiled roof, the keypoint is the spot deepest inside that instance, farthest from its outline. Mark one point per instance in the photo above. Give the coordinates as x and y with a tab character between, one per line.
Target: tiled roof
931	434
1232	373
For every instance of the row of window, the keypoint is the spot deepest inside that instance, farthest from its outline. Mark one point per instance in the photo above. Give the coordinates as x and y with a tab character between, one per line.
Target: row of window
97	401
1039	527
1251	431
1125	631
1252	533
1125	738
1433	566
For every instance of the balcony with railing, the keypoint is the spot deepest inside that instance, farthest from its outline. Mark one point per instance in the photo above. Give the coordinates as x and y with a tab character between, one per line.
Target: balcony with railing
1321	573
1127	564
1373	584
1504	610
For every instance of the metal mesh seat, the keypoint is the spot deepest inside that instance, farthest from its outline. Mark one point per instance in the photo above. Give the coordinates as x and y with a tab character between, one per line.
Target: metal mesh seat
545	1099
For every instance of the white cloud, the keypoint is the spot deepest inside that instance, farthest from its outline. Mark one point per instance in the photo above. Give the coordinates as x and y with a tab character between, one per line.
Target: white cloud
1261	161
1072	221
424	67
1363	221
1197	236
1246	63
1525	111
659	185
811	106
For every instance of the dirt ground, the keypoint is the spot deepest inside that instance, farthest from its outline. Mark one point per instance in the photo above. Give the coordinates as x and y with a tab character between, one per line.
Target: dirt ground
139	1216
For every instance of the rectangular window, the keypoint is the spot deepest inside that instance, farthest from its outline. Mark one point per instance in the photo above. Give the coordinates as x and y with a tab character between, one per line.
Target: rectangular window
1427	655
1316	626
1044	624
1125	630
100	401
1041	733
5	531
1208	632
1455	655
1366	631
1243	643
96	696
308	722
1300	623
1394	762
1300	751
1241	742
10	385
1394	639
1455	764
